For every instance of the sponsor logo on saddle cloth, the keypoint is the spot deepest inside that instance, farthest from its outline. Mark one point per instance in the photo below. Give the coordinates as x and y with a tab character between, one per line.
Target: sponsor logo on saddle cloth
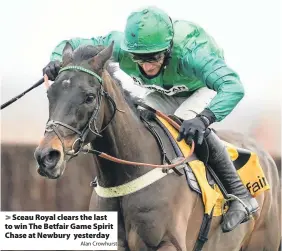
247	166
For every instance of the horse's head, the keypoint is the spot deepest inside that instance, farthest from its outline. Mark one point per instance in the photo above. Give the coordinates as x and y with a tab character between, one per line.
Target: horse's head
75	108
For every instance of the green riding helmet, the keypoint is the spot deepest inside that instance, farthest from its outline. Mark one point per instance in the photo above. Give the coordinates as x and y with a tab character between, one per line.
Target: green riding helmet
147	30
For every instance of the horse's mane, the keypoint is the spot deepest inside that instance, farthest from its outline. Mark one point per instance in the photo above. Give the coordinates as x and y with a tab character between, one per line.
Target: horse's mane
131	100
88	51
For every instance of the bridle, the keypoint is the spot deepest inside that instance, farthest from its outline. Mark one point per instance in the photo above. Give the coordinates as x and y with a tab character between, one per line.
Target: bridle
91	126
52	126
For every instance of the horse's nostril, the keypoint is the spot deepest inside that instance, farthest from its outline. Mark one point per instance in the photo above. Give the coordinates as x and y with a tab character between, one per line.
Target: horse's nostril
52	155
50	159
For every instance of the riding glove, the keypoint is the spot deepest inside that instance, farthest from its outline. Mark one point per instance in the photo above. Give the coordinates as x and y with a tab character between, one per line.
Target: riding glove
52	69
194	129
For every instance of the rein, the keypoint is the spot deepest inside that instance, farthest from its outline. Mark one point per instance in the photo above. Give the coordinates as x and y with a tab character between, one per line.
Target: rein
52	126
127	162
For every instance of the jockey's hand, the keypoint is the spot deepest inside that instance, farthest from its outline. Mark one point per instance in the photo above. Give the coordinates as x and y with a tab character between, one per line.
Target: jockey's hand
52	69
192	129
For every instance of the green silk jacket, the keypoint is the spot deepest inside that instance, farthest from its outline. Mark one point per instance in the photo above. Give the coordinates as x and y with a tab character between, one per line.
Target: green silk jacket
196	61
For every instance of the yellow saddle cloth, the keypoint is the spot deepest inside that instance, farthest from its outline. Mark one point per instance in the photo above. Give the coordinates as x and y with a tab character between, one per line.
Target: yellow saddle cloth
249	170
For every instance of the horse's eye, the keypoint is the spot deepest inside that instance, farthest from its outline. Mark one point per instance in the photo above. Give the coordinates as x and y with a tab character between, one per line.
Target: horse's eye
90	98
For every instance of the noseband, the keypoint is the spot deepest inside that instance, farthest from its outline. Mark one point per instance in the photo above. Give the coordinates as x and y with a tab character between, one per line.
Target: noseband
52	125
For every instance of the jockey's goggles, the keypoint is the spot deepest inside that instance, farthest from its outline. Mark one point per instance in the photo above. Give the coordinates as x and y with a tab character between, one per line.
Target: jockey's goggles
147	58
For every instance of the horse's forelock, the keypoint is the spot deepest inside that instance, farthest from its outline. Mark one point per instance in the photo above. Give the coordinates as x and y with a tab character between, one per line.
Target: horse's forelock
86	52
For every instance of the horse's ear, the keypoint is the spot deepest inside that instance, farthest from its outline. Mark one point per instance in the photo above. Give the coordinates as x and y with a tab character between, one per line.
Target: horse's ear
101	58
67	54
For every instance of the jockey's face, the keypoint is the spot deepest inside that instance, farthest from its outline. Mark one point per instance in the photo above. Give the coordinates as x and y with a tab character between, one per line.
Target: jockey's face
150	63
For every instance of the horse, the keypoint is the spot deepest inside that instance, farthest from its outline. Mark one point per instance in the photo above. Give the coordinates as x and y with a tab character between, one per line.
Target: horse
88	106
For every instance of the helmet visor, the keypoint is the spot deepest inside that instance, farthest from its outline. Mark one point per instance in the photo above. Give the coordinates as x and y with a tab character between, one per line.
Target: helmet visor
148	57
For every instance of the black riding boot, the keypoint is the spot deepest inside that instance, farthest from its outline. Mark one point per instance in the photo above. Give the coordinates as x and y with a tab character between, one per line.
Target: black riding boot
223	167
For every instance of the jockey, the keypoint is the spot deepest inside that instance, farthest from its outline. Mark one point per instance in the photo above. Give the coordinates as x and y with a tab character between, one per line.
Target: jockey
186	72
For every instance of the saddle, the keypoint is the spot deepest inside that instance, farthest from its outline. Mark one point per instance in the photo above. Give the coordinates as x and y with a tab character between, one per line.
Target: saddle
200	177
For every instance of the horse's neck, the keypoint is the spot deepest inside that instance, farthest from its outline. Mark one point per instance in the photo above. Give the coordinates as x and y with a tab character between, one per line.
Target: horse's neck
126	138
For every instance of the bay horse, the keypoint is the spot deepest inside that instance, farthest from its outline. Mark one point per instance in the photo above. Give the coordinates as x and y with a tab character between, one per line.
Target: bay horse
88	106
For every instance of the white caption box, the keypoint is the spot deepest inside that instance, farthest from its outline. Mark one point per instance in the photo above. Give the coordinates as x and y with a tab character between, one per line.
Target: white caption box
58	230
